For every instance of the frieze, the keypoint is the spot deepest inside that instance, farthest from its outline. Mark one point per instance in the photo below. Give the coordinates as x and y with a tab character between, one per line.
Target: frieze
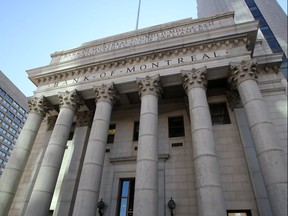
118	71
138	40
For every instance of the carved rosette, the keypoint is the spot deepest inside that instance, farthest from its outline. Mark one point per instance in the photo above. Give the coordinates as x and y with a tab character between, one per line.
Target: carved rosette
239	72
40	105
84	118
149	85
194	79
106	93
234	99
71	99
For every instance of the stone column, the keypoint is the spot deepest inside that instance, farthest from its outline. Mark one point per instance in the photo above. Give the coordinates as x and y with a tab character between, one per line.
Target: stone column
208	184
76	148
13	171
146	186
250	154
90	180
272	159
42	193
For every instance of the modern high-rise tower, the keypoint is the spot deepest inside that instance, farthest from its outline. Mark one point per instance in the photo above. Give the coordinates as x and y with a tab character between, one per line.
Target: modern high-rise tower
13	113
272	21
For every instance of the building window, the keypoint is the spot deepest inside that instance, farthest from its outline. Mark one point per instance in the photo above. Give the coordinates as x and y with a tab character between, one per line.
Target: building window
111	133
219	114
9	98
274	45
126	197
239	213
176	126
136	131
2	92
72	129
3	108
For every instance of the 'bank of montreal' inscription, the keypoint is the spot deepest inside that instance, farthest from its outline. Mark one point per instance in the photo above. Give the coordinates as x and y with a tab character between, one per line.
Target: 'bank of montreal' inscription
142	39
139	68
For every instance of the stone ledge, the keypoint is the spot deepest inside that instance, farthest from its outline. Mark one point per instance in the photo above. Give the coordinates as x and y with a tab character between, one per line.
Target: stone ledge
134	158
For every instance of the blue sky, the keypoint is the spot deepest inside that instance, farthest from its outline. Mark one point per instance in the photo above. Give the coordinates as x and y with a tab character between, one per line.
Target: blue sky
31	30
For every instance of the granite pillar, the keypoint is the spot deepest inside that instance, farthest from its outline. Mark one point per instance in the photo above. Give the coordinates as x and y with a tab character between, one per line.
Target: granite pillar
13	171
90	180
42	193
272	159
208	184
146	185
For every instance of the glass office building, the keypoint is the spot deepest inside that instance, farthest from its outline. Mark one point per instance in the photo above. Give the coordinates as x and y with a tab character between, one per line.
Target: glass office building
13	113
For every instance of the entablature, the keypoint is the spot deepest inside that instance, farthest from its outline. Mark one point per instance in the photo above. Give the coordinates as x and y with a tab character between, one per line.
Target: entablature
224	35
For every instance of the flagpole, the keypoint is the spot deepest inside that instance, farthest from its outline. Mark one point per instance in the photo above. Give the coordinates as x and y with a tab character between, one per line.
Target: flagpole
137	22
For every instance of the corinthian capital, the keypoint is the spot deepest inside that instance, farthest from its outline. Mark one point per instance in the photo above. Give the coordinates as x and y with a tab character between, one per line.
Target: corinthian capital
71	99
106	93
40	105
242	71
149	85
194	78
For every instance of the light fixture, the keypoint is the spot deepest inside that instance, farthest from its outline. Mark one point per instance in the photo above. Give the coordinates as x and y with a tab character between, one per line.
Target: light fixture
171	205
100	206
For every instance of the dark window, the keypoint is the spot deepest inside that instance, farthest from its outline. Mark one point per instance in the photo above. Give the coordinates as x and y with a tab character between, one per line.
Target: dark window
111	133
71	134
11	114
250	3
9	98
267	32
136	131
239	213
2	92
262	21
255	11
176	126
126	197
219	114
275	47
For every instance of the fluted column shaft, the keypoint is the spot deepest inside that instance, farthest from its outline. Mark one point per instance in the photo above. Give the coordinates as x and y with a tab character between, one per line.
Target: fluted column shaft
42	193
208	185
272	159
146	186
10	179
90	180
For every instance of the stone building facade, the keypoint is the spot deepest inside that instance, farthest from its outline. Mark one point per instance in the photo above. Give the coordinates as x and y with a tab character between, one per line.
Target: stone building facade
190	111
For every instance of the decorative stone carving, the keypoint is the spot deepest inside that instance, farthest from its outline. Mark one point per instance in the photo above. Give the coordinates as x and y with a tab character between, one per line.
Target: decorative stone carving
71	99
106	93
194	78
40	105
149	85
234	99
242	71
51	120
84	118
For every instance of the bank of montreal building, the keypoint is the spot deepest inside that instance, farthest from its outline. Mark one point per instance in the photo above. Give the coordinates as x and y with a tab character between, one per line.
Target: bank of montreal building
192	111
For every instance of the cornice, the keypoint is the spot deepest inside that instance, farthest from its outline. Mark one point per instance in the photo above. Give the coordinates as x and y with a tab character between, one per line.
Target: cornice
155	55
224	30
